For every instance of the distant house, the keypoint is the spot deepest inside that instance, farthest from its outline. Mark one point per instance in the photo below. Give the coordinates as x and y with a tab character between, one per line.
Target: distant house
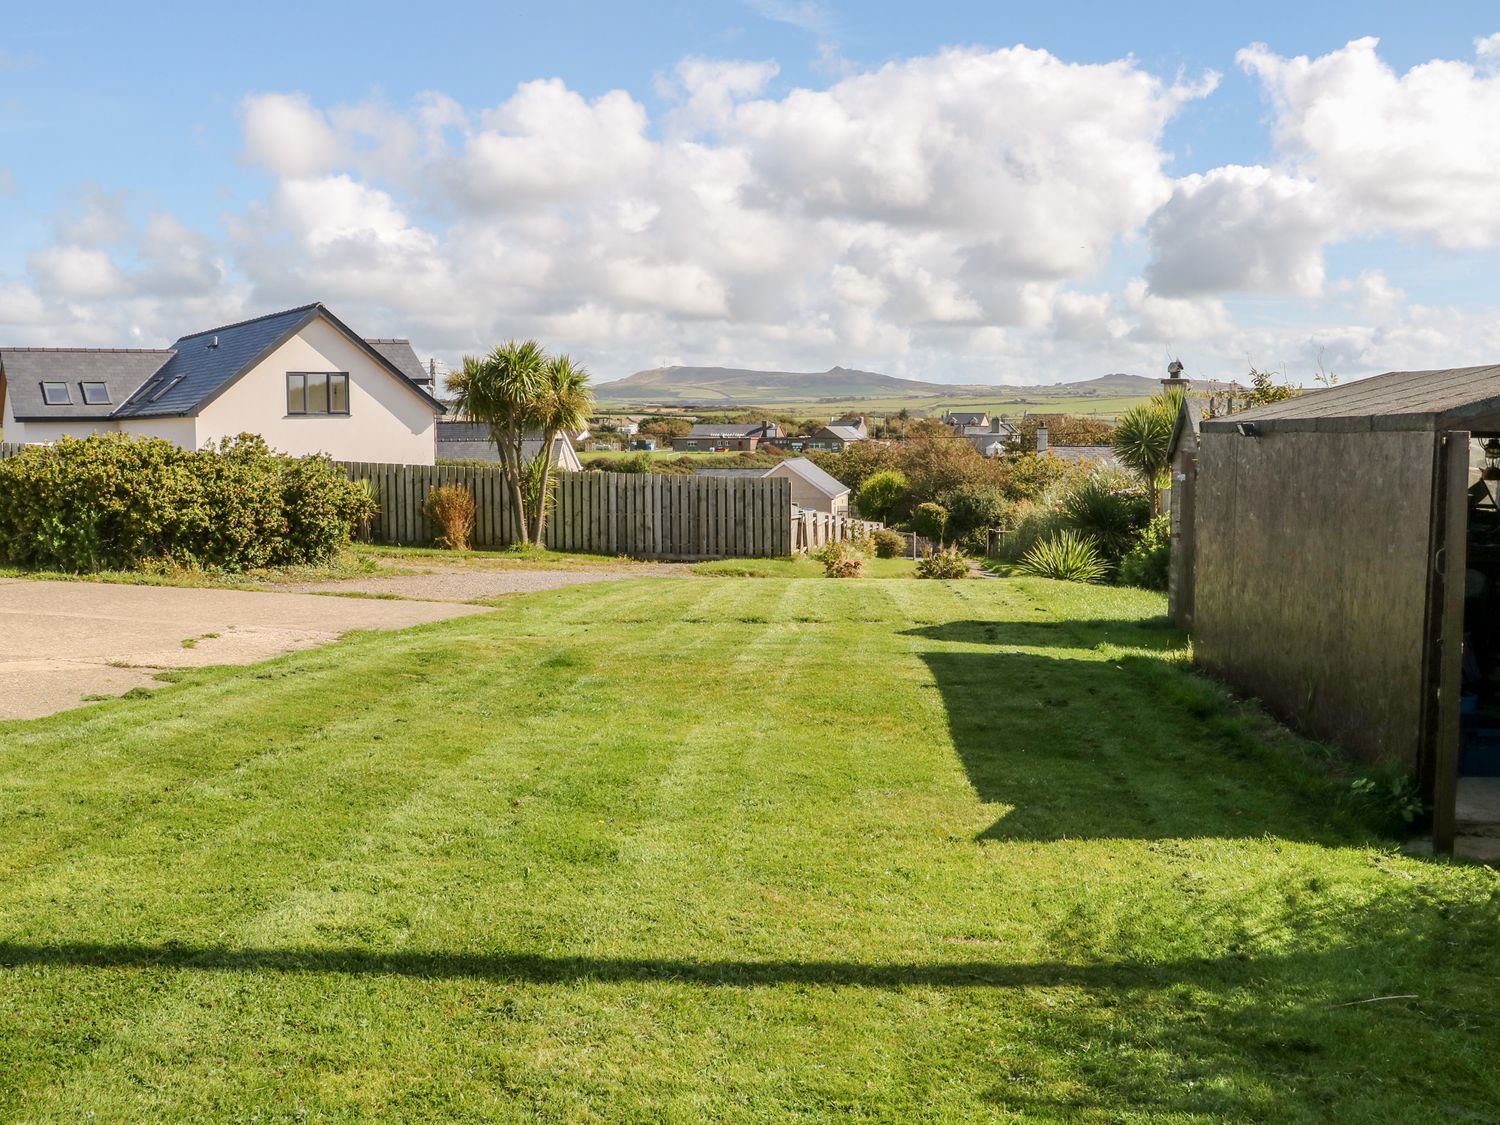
460	440
961	419
625	424
854	422
301	379
812	488
721	437
833	438
995	437
1100	455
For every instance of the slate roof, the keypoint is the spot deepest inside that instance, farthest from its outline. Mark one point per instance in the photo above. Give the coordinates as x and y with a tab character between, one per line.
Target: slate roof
803	467
400	355
173	382
1098	454
1397	400
207	362
121	370
843	433
966	418
730	430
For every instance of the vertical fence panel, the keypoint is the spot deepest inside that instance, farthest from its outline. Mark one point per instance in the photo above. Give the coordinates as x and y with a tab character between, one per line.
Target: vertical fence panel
645	515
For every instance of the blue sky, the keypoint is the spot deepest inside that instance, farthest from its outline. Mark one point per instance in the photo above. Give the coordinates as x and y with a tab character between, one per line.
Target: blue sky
144	183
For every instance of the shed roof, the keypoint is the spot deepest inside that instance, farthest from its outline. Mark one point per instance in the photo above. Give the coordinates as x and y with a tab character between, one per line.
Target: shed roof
802	467
1397	400
121	370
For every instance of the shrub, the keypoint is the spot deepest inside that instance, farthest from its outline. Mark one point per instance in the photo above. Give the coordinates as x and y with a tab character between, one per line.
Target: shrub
943	563
972	510
113	501
931	520
1391	796
883	496
1029	523
1109	512
1148	562
631	463
888	544
369	496
1066	555
841	559
452	507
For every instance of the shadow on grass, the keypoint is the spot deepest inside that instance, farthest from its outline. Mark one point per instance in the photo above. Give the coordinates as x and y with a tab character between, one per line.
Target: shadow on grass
1124	743
1285	1036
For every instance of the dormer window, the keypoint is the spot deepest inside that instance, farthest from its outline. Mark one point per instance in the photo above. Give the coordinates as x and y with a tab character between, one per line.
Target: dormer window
56	394
95	394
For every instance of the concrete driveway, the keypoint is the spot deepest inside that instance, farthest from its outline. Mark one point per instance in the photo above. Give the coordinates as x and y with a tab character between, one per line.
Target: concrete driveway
63	641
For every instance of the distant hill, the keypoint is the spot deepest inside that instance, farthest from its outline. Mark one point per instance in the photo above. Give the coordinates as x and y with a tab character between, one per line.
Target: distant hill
736	386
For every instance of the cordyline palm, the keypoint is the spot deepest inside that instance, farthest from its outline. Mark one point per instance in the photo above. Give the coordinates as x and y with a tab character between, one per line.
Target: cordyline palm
501	391
1143	438
562	406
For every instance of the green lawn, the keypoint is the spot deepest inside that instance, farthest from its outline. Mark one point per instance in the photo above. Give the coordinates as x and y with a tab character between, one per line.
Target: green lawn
799	566
703	850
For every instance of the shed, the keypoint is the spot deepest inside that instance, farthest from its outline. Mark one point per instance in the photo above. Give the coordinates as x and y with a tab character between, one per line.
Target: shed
812	488
1344	573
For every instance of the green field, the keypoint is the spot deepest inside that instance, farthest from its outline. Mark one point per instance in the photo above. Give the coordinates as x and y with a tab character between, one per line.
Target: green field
933	406
688	850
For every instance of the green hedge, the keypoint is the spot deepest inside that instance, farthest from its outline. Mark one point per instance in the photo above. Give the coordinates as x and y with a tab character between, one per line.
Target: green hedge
117	502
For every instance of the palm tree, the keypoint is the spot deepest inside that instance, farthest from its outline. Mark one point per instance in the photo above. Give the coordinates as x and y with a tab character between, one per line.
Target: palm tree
562	406
1143	439
501	391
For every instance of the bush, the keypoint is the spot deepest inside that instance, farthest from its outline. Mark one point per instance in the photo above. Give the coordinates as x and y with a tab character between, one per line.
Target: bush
1148	562
452	507
888	544
1029	524
117	502
1066	555
1108	511
841	559
943	563
631	463
972	510
930	520
883	496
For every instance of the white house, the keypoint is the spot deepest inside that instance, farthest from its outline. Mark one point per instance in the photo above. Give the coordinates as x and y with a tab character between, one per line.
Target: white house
301	379
812	488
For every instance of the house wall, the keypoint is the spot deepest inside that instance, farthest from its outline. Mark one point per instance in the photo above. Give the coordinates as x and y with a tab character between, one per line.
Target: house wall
804	495
706	444
1311	578
386	422
180	431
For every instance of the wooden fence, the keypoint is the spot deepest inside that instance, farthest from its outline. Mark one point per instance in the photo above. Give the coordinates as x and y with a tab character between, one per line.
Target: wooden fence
10	448
811	530
642	515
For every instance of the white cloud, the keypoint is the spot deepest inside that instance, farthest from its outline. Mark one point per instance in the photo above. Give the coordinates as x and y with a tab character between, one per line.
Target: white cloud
948	217
1412	153
1238	229
288	136
805	15
75	272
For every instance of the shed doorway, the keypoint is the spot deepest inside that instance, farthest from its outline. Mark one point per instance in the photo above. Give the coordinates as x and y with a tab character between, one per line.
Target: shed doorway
1476	812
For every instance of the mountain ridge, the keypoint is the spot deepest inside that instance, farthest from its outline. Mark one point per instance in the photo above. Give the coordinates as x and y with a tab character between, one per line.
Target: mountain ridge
749	386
